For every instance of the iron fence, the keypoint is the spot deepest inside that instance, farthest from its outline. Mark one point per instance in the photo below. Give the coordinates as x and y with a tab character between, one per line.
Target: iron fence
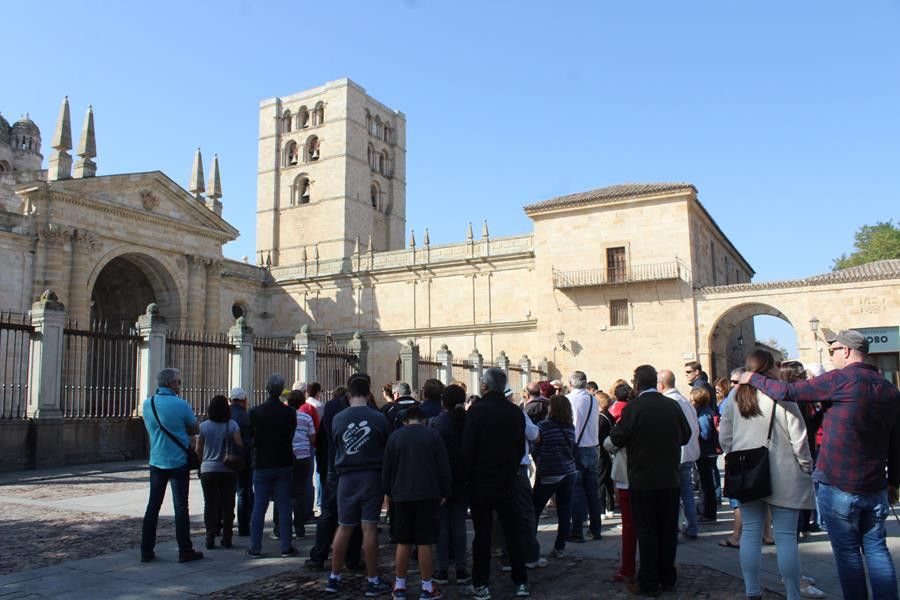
15	353
205	364
428	369
515	379
272	356
461	371
100	371
334	366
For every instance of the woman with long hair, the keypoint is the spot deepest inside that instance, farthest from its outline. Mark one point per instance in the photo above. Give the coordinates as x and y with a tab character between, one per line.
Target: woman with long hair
217	433
554	455
745	425
707	462
450	424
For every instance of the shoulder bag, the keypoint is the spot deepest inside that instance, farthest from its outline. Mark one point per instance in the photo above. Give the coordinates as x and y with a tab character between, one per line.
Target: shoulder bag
232	459
747	476
193	459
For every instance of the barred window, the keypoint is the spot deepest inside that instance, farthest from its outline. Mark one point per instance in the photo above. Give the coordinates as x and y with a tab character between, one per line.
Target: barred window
618	313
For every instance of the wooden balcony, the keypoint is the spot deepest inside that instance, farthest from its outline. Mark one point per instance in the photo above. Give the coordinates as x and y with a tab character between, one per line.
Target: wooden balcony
631	274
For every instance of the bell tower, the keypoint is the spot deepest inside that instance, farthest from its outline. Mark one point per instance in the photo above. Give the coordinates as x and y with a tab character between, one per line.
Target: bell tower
332	173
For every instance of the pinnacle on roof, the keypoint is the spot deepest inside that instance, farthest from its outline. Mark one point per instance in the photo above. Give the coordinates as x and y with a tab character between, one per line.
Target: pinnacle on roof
196	186
87	146
215	181
62	137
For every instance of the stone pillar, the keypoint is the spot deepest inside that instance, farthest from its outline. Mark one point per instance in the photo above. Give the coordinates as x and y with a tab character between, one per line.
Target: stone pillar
48	317
503	363
305	366
196	294
151	326
477	361
525	365
360	348
544	368
445	371
213	303
241	335
409	365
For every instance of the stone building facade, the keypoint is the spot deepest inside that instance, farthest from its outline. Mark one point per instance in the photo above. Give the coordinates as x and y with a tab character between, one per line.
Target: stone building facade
607	279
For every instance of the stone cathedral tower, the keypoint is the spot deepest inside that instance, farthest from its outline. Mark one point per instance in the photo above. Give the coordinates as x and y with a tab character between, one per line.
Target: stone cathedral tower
332	174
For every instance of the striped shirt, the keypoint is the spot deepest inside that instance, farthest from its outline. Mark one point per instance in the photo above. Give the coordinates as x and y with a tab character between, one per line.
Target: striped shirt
305	430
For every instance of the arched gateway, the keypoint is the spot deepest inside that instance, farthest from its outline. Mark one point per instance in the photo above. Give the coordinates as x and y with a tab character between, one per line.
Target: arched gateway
124	287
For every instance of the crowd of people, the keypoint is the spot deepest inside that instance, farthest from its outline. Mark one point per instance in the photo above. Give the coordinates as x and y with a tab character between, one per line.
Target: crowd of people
423	466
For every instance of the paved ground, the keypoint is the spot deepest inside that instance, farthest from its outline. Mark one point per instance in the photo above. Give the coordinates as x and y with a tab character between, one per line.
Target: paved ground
75	533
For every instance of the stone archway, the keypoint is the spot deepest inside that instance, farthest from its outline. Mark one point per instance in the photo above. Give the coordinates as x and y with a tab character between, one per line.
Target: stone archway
733	336
126	285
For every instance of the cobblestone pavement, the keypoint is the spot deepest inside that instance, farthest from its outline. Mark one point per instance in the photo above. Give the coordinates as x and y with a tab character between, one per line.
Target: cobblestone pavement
577	578
68	486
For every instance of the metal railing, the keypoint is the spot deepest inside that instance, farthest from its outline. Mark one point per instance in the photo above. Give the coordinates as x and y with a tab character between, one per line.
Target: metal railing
631	274
461	371
272	356
515	379
15	348
100	371
205	364
428	369
334	366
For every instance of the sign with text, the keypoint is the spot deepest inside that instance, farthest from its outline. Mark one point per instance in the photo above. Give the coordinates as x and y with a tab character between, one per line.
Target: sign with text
882	339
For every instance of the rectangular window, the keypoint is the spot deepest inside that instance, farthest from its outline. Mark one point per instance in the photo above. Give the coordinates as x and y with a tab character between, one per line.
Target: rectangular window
618	313
615	264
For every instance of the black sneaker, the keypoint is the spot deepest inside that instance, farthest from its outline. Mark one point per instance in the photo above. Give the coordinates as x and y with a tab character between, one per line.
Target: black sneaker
189	555
314	565
462	577
441	577
253	554
289	553
148	556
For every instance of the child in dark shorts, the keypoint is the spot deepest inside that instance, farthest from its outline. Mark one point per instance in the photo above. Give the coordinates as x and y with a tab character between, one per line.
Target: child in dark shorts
416	475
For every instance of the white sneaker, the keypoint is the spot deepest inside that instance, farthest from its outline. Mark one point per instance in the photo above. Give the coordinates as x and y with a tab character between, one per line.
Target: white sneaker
522	591
538	564
811	591
480	592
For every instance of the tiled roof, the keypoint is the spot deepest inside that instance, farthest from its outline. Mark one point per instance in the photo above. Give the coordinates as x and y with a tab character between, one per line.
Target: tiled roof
614	192
873	271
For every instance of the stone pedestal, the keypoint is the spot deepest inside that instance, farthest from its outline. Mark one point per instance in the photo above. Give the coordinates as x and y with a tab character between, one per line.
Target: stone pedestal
409	365
525	365
305	365
48	317
151	326
477	361
445	371
360	348
241	335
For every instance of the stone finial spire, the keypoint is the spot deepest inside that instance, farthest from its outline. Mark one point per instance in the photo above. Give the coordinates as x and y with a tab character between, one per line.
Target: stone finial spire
62	138
371	244
412	238
469	234
87	147
426	240
60	164
484	229
197	188
215	188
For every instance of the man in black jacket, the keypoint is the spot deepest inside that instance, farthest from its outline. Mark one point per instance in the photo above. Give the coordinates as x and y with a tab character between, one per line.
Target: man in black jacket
653	428
493	445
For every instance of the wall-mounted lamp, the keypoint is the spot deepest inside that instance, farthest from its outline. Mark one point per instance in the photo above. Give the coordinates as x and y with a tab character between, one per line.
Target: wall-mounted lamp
561	340
814	327
814	324
740	341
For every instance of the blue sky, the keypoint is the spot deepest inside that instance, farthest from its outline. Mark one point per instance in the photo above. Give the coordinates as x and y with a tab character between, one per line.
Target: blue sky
783	114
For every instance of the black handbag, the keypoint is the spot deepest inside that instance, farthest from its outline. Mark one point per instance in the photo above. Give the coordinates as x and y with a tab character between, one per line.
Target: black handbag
747	476
193	459
232	459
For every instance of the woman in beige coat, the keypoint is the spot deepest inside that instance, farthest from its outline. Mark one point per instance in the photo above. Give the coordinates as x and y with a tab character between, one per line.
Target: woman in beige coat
744	425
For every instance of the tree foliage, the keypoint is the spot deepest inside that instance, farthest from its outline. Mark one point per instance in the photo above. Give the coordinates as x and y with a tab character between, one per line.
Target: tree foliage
880	241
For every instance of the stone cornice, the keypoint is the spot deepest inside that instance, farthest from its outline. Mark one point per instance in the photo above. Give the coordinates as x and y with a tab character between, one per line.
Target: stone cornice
829	279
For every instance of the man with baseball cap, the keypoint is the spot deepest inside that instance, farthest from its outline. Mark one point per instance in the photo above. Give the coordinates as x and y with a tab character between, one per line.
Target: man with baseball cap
858	466
244	488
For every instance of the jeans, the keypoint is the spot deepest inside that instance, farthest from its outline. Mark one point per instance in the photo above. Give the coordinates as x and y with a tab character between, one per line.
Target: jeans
656	519
563	490
218	503
482	509
607	486
527	520
856	521
244	491
298	499
587	480
706	466
327	524
178	479
784	526
688	505
271	483
309	491
452	533
629	535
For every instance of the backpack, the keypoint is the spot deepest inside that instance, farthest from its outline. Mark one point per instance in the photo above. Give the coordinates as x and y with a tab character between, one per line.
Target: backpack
537	409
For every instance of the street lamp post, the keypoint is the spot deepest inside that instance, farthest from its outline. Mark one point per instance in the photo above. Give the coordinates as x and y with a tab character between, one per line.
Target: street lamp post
814	327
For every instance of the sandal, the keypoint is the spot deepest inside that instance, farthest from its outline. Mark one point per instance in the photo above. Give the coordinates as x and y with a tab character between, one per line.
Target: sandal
727	543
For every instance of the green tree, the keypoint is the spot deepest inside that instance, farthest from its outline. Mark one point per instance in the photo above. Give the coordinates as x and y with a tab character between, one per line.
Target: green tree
880	241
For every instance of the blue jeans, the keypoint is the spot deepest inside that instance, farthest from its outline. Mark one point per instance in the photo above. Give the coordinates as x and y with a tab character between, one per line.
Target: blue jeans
784	526
856	521
244	491
688	504
179	480
587	480
269	483
563	490
453	532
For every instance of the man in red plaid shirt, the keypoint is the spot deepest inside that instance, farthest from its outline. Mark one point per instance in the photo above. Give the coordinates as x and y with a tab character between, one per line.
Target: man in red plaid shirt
858	466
